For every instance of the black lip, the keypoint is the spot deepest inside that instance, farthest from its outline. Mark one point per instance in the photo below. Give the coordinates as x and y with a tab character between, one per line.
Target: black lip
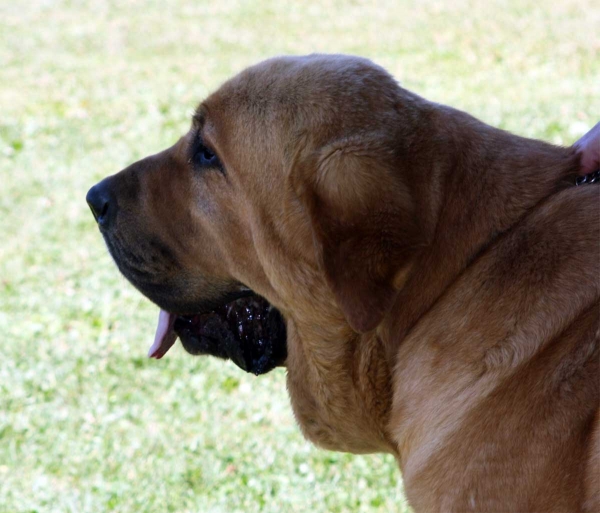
248	331
239	325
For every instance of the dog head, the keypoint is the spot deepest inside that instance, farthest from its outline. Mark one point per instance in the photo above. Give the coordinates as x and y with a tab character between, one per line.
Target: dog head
294	182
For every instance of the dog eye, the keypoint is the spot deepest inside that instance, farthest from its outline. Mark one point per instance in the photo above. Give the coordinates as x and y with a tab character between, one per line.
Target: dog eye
205	158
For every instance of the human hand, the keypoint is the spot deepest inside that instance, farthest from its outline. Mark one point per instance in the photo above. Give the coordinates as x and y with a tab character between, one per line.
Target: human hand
589	148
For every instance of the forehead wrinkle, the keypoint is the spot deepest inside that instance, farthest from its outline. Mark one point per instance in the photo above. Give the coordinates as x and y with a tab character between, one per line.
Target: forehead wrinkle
199	117
203	125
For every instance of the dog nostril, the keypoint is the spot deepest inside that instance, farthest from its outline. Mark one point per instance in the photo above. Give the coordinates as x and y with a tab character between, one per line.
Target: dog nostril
97	199
104	210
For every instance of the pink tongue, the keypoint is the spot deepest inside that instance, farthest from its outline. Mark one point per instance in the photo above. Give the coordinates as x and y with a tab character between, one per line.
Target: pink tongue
165	336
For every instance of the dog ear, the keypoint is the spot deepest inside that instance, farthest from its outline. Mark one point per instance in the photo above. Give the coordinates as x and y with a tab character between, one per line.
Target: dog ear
363	226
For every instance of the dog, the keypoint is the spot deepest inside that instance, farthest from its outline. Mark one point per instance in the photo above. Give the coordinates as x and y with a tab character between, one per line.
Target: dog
437	278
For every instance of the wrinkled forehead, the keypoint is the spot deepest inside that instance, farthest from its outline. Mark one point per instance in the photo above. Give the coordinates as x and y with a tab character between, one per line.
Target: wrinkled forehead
287	93
267	92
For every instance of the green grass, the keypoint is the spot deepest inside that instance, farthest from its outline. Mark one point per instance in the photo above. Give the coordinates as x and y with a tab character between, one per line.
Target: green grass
87	423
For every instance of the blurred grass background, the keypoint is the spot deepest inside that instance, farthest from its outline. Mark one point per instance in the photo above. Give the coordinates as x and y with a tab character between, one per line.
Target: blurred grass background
87	423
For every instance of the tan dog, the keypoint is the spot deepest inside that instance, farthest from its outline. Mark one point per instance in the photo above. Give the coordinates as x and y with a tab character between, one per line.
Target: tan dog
438	277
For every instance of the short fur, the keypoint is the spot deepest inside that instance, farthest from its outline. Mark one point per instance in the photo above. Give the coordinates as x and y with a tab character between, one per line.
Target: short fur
439	277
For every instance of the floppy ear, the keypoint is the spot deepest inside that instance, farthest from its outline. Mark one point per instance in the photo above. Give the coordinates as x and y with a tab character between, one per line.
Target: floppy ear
363	225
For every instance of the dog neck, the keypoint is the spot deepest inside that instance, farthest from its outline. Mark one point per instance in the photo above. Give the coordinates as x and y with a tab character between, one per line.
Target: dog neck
475	184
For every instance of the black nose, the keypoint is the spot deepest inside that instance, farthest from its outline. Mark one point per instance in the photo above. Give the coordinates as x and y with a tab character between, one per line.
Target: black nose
99	200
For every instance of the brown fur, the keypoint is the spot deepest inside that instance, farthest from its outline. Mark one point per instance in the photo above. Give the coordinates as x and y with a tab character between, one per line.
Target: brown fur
439	277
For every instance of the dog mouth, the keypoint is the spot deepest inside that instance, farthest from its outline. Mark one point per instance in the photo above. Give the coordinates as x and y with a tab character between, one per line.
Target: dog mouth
248	331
